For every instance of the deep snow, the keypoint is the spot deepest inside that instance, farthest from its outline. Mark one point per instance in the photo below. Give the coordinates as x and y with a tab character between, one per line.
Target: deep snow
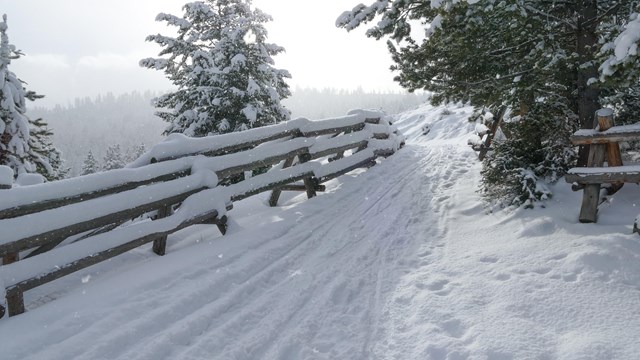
402	261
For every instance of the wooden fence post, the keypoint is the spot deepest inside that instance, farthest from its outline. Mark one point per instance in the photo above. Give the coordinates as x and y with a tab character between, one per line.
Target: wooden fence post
15	301
275	194
605	122
597	152
160	244
309	182
484	149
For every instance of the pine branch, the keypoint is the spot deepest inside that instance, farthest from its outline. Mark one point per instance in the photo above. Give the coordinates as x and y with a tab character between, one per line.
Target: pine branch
509	76
607	12
539	12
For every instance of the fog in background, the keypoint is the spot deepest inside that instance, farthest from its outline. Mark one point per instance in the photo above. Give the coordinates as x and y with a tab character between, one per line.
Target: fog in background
79	48
83	55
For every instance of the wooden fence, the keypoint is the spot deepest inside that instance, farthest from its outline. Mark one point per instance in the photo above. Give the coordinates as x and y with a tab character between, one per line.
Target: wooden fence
488	134
603	147
180	182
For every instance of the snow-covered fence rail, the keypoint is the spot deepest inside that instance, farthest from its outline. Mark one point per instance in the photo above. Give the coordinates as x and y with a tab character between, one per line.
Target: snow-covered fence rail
603	143
180	182
482	143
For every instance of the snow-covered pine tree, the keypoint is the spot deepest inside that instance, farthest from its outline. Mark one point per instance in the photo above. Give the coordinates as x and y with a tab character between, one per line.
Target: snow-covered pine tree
90	164
42	153
14	127
223	68
25	144
113	158
137	152
620	70
539	58
622	60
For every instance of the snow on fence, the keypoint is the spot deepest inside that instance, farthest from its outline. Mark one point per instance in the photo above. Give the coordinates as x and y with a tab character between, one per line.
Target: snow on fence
603	143
180	182
482	142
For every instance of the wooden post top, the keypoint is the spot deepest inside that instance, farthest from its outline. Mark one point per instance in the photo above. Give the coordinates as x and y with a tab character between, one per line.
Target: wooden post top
604	112
605	119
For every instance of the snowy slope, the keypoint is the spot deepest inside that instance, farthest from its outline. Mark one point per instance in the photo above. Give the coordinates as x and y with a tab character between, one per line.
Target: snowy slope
399	262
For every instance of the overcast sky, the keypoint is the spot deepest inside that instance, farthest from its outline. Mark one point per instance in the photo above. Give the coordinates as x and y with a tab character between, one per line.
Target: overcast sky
77	48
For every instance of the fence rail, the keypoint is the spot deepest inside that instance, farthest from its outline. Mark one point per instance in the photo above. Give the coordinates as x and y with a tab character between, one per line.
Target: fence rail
180	182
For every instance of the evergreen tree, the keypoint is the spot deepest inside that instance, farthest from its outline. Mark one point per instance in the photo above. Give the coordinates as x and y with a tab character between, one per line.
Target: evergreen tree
14	127
90	164
137	152
223	69
113	158
622	65
42	153
539	58
25	144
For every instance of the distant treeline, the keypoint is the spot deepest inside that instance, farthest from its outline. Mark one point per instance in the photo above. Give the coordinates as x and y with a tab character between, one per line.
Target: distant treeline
315	103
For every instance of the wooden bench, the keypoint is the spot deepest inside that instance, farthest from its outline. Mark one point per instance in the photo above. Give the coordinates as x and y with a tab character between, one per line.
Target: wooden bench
603	148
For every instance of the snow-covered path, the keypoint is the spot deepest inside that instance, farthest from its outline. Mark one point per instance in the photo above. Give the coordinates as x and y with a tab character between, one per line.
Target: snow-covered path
398	262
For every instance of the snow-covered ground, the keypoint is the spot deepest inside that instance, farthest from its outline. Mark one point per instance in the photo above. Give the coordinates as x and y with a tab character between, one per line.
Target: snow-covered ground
402	261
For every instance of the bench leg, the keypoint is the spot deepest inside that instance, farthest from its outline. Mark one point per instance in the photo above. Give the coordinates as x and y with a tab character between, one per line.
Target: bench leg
590	199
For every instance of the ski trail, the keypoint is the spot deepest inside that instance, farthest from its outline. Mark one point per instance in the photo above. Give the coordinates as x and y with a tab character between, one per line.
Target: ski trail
315	290
397	262
422	295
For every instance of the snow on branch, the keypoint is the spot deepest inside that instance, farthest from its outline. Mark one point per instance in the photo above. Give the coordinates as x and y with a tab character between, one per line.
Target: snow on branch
623	50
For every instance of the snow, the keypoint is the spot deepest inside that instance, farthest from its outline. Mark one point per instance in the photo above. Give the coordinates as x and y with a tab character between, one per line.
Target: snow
606	112
177	145
632	128
325	144
624	47
6	175
481	129
26	179
45	221
83	184
401	261
628	169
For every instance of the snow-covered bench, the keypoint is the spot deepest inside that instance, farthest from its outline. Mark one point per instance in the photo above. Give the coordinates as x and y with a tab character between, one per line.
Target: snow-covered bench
603	147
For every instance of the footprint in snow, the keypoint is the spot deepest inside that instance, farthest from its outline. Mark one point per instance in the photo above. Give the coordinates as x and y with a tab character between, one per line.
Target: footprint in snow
489	259
443	198
438	285
558	257
425	253
454	328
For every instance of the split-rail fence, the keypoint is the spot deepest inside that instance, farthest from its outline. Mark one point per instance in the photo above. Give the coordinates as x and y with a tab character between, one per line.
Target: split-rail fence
50	230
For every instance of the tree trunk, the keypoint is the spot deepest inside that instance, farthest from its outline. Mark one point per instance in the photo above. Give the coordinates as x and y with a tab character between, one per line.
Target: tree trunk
586	47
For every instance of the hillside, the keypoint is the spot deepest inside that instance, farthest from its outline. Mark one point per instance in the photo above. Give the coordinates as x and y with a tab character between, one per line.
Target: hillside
403	261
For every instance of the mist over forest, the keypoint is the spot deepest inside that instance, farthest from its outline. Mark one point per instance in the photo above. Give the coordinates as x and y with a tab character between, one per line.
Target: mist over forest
128	120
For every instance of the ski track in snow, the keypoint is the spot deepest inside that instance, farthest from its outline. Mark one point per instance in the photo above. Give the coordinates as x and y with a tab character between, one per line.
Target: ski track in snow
398	262
281	300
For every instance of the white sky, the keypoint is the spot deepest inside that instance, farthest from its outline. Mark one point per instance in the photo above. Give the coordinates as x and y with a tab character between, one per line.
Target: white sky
79	48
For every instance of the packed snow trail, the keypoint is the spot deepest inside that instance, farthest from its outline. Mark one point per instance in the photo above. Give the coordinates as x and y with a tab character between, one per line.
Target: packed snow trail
397	262
295	292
